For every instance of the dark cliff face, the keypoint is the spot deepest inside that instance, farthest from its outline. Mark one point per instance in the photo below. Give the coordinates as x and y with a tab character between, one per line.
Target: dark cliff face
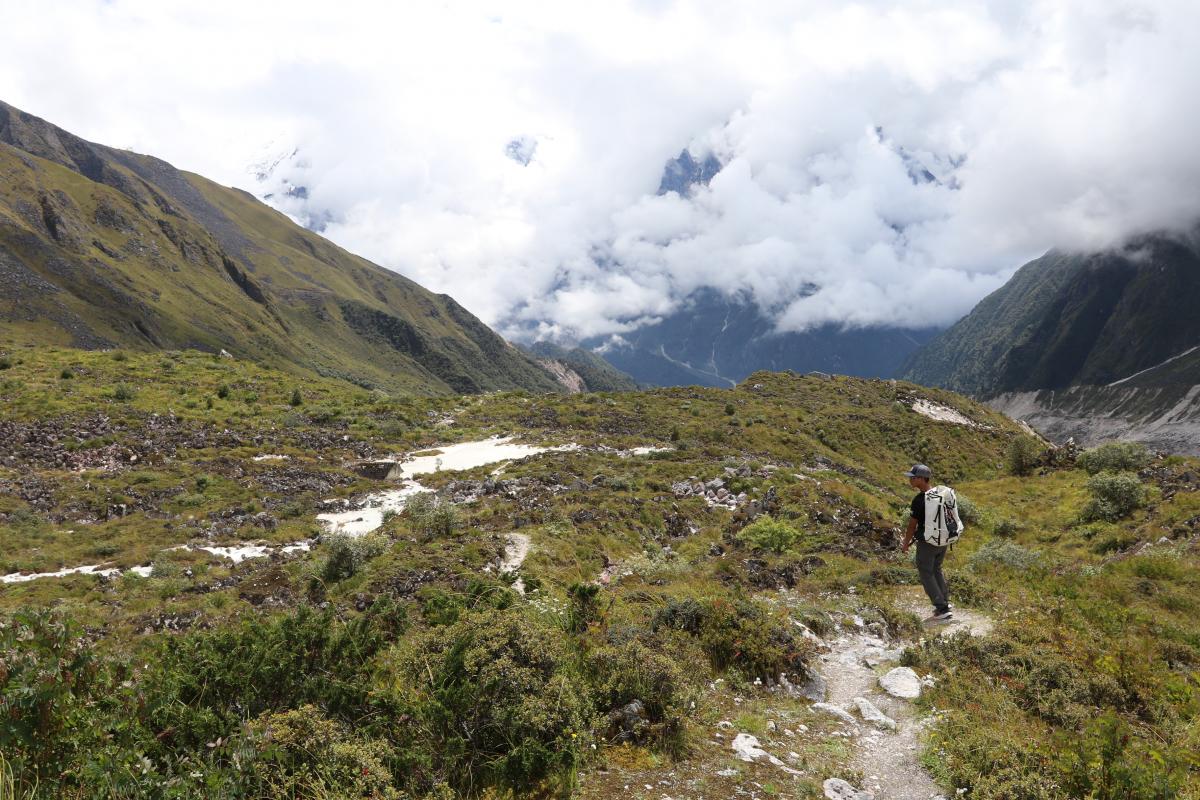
110	248
1073	319
718	341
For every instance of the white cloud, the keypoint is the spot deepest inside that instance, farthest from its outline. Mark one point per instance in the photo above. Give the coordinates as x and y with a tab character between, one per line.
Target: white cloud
1065	123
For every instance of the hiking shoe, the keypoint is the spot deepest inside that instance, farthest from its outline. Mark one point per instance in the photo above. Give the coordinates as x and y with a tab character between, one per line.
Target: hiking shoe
947	614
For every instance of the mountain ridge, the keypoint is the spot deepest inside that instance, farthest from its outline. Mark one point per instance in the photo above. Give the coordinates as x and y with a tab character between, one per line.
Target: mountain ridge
108	248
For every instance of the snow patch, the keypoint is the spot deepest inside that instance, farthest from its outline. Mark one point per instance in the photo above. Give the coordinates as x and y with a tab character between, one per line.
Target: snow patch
91	569
943	413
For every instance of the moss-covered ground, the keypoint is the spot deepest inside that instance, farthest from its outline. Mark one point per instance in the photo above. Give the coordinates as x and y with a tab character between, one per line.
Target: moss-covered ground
404	666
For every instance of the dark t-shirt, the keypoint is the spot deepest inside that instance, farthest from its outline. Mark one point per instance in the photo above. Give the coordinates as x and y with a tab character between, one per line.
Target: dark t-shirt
918	513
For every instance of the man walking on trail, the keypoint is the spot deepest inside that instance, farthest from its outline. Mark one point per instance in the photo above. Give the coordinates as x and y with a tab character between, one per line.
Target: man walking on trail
929	556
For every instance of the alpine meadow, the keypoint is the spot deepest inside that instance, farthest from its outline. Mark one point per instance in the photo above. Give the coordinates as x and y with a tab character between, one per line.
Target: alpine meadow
640	400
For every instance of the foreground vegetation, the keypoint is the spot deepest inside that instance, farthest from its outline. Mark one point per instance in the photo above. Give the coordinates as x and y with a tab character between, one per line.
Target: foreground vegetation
403	665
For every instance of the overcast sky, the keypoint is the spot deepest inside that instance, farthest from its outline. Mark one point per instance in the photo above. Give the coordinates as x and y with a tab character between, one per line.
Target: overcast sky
1044	124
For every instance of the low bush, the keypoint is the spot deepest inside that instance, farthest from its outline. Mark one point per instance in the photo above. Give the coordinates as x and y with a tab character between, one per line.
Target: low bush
766	533
1114	457
741	635
432	516
1021	457
123	392
1005	527
968	512
1007	555
347	554
496	704
306	754
620	673
1114	496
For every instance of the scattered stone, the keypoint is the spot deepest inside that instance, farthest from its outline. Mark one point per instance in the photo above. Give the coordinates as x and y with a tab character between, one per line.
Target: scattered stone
836	711
838	789
747	749
873	715
628	723
901	682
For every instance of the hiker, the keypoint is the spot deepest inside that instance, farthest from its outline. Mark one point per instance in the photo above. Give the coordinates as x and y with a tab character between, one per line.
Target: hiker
936	525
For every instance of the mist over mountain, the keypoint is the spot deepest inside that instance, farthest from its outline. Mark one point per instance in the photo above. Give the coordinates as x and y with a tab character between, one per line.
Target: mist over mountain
514	160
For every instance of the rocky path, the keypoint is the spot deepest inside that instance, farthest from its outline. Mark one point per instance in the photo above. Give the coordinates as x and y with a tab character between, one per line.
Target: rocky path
873	697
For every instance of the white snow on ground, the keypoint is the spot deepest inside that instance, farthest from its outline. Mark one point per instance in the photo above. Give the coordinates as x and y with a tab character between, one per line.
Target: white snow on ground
514	557
468	455
942	413
361	521
91	569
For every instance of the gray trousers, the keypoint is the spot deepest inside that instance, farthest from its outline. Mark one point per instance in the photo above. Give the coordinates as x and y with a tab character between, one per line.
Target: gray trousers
929	565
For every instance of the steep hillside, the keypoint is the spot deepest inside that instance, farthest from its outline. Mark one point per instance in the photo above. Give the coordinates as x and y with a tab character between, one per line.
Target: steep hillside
214	585
1093	346
581	370
102	247
1071	319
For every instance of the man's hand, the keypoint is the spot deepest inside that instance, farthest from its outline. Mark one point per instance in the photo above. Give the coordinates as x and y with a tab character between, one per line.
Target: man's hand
909	532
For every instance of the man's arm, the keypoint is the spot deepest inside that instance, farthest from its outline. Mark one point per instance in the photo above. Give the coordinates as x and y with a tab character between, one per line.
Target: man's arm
908	534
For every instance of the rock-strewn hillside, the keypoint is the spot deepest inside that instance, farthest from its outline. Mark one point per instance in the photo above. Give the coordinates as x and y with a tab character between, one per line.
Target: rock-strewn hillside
102	247
211	579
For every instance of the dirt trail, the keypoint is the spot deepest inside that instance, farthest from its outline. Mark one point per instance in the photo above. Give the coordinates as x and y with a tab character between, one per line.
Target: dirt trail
886	751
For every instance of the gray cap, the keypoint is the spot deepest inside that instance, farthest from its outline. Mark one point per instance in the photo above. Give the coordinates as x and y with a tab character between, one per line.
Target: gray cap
919	471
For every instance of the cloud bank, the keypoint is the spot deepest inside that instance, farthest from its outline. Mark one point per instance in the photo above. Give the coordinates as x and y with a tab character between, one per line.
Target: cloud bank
882	162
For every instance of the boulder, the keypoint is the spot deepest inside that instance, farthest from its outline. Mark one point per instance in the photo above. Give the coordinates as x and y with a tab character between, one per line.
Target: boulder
836	711
873	715
901	682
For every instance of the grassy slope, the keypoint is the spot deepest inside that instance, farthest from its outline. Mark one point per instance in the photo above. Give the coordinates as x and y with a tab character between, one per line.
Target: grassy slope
142	257
1086	631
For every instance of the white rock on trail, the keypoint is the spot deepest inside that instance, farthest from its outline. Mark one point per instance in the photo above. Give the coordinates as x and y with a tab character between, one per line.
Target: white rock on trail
836	711
873	715
901	682
838	789
747	748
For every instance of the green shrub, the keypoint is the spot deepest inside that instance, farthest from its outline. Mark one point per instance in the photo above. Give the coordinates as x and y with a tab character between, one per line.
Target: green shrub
119	356
1003	554
123	392
497	704
1114	496
730	410
742	635
766	533
431	516
66	375
583	607
296	400
1006	528
618	674
968	512
223	391
205	684
1114	457
347	554
5	363
306	754
1021	455
1110	762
